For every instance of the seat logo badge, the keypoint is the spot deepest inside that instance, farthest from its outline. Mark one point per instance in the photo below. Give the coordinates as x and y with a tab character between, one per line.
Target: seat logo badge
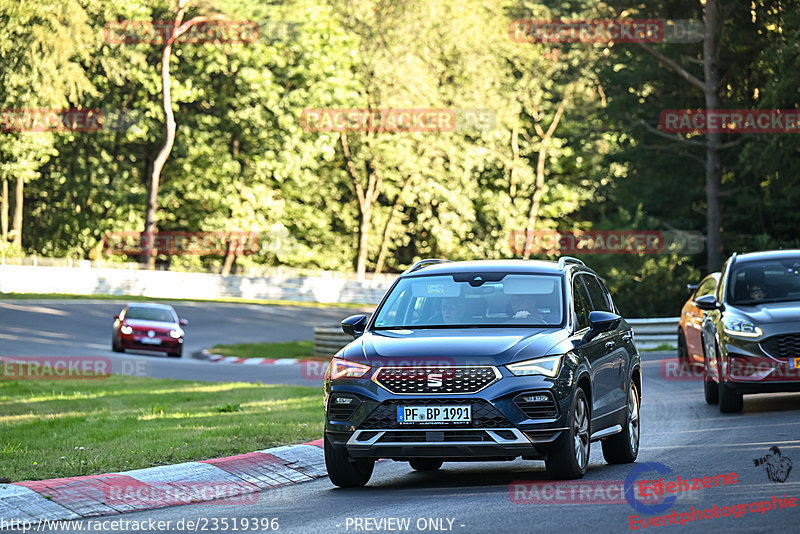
150	333
435	380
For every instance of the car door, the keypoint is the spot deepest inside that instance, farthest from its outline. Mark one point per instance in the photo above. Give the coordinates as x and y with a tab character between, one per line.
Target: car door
694	318
615	343
594	352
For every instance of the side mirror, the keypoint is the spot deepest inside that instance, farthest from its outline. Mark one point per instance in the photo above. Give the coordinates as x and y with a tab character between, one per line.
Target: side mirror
354	325
692	287
599	322
116	317
183	322
708	303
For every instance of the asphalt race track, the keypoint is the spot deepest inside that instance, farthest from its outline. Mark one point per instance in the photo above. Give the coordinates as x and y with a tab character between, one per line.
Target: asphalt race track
680	434
679	431
83	328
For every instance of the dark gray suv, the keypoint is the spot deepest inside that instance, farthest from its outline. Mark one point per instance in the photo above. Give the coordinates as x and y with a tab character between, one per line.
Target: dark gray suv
485	360
751	329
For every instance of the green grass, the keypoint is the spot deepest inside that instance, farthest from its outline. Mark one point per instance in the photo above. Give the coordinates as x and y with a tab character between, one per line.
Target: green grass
138	298
290	349
52	429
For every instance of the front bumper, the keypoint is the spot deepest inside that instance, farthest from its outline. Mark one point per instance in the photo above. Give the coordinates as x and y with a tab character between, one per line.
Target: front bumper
505	443
749	368
168	344
500	428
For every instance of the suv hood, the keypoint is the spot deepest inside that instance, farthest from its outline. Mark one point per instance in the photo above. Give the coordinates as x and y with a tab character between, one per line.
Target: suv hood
495	346
771	312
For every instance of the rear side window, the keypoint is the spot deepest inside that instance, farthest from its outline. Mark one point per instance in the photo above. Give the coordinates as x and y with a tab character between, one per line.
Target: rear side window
582	303
600	300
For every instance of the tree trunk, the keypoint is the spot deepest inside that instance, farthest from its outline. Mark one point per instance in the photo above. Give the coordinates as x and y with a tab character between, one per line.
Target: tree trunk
389	222
366	199
713	170
230	256
363	241
4	212
18	213
533	214
169	141
512	191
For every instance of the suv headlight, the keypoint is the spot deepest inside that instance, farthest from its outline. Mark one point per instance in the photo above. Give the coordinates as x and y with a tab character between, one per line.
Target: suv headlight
175	334
340	368
125	329
741	328
547	366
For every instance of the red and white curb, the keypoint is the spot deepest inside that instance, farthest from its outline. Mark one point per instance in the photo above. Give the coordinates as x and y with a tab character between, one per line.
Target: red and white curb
224	480
204	354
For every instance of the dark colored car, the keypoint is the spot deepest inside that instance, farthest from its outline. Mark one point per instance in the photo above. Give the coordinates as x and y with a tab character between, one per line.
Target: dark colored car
690	327
148	327
485	360
751	331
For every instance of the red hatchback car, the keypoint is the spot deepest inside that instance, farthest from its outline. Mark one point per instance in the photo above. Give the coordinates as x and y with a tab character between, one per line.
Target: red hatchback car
148	327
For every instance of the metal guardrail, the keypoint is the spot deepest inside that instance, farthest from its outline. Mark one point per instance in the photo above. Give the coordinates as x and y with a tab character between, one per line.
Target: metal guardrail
648	333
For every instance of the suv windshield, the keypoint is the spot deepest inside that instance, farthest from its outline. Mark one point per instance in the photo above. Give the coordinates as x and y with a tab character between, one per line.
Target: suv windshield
473	299
150	314
755	282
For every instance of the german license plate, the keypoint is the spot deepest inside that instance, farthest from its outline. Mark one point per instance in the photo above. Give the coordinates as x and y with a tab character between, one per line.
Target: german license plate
794	363
150	341
434	414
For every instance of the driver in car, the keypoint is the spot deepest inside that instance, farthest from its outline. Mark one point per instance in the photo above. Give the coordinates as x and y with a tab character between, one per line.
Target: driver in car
757	292
452	310
524	307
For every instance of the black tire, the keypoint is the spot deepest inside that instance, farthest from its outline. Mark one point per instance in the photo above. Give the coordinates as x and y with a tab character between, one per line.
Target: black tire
178	354
426	464
683	352
623	448
710	388
342	470
570	454
730	401
711	391
115	346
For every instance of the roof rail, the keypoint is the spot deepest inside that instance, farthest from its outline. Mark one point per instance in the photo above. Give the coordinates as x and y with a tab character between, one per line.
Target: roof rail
424	263
564	260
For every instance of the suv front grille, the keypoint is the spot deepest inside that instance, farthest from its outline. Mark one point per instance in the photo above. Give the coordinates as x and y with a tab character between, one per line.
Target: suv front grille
484	415
783	346
436	380
536	405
